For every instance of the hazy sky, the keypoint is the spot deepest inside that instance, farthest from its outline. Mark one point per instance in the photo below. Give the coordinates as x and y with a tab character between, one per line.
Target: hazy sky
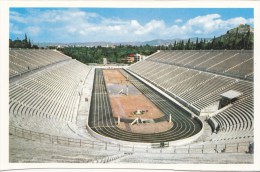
123	24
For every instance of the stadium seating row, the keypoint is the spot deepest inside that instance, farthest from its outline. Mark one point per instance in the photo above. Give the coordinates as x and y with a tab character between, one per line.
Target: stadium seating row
24	151
23	60
47	101
236	122
198	89
232	63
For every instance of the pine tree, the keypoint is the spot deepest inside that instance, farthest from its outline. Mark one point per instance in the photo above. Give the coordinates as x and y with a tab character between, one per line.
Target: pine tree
197	44
192	45
182	45
175	45
25	38
201	44
220	43
228	46
247	39
188	45
29	44
213	43
235	40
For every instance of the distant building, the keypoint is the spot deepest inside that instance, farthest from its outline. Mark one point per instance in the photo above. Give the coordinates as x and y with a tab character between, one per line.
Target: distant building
139	57
133	58
128	59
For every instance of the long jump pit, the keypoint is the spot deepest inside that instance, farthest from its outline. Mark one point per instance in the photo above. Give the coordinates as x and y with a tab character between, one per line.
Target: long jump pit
136	112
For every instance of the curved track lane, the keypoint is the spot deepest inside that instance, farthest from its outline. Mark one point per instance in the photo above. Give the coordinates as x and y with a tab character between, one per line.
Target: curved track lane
101	119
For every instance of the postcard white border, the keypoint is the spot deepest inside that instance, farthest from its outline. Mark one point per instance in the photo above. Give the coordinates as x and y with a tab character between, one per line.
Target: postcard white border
4	76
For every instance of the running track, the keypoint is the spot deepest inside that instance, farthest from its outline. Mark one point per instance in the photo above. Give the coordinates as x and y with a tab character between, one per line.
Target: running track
101	119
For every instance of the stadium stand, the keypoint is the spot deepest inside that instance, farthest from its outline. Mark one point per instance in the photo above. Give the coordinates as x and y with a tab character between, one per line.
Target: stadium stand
21	61
46	101
220	62
197	88
236	121
47	87
42	152
43	110
200	86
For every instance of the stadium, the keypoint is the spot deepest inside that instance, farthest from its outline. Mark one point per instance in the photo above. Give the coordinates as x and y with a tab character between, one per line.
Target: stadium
176	106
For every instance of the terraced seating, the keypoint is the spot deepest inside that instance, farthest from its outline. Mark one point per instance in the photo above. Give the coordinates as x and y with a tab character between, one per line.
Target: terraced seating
216	60
236	122
23	151
221	62
161	55
232	61
21	60
189	82
184	75
242	86
46	126
101	120
244	68
203	58
142	67
198	89
194	56
47	101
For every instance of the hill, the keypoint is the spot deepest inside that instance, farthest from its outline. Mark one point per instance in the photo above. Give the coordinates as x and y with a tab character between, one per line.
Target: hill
241	37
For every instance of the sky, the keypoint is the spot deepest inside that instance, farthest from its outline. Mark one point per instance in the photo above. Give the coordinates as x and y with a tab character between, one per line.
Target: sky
71	25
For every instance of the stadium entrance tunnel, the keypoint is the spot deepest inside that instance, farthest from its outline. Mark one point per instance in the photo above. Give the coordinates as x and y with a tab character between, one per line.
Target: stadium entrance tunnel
103	125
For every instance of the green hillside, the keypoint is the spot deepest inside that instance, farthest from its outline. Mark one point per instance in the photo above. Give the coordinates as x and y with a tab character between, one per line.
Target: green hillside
241	37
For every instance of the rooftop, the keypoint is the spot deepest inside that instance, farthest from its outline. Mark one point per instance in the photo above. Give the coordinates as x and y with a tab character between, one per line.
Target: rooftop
231	94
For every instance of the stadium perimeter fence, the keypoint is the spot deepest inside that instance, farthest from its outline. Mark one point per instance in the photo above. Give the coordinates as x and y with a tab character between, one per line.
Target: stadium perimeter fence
239	147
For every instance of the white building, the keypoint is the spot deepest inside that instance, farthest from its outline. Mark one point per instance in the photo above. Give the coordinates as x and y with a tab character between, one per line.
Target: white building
139	57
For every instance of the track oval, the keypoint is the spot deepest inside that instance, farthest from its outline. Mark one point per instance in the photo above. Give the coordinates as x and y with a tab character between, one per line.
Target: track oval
101	119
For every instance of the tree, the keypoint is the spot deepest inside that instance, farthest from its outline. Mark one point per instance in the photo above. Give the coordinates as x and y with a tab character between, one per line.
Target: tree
182	45
213	43
175	45
235	40
201	45
229	42
220	43
29	44
247	46
25	37
197	44
188	47
242	43
25	43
